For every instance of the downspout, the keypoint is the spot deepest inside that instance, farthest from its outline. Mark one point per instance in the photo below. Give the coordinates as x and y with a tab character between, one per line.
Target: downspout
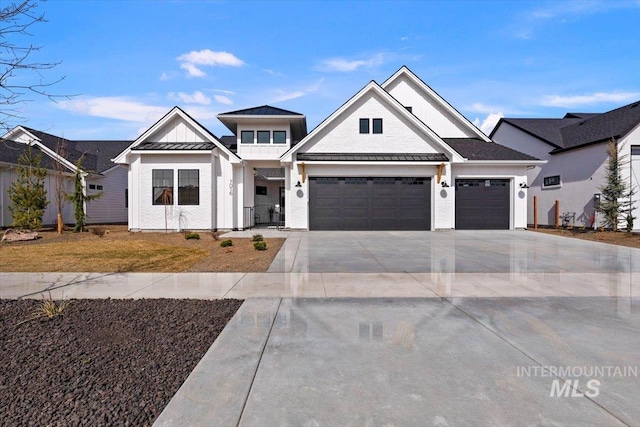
83	181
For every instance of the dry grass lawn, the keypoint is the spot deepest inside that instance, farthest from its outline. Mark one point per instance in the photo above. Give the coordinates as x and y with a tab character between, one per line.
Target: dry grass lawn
121	251
619	238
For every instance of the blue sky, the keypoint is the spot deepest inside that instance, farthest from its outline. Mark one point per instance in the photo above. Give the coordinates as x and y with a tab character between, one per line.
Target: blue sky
129	62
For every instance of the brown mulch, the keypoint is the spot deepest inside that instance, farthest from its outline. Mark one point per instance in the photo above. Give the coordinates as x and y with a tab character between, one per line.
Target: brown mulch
620	238
103	362
115	249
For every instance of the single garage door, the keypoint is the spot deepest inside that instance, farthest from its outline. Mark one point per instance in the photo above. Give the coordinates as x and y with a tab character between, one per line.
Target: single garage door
369	203
482	204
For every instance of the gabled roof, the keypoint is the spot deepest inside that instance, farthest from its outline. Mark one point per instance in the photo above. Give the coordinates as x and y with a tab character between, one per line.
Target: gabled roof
142	144
579	129
96	155
393	103
10	152
477	149
263	110
429	93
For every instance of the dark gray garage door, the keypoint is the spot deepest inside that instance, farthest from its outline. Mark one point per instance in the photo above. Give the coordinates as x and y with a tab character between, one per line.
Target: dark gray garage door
369	203
482	204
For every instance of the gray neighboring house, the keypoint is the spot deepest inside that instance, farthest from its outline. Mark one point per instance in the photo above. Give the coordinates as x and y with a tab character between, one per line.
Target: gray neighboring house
575	149
102	175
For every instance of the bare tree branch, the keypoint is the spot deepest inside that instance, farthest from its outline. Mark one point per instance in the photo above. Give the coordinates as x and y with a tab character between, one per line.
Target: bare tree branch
20	76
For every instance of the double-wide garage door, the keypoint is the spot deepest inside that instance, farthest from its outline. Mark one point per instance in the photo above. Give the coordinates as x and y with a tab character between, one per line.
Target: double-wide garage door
482	204
369	203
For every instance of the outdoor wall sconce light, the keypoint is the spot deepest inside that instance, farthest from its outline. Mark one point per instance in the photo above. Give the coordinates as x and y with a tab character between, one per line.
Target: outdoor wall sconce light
523	185
298	185
444	184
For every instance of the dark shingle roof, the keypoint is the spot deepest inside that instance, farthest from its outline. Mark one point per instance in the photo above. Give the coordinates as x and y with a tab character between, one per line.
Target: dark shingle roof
96	155
175	146
264	110
373	157
477	149
579	129
10	152
230	142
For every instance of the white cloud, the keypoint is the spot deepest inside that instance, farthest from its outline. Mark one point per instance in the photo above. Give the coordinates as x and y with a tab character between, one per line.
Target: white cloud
281	95
226	92
196	97
164	76
221	99
345	65
286	96
489	122
479	107
192	70
589	99
191	61
119	108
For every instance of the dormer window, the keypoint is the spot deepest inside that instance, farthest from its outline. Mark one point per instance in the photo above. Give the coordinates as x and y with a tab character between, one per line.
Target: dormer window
264	137
246	137
279	137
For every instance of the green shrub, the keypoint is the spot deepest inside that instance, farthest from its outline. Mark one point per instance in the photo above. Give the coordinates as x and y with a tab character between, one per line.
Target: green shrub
191	235
226	243
258	238
260	245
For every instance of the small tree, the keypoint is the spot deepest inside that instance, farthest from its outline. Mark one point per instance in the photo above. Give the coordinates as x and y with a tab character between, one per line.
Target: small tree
167	200
615	202
59	191
27	193
79	198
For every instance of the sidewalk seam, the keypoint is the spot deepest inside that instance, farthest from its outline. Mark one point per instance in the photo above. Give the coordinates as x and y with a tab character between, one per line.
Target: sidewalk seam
255	373
234	285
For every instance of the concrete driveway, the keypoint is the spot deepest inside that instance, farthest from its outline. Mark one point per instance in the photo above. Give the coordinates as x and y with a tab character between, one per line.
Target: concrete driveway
448	252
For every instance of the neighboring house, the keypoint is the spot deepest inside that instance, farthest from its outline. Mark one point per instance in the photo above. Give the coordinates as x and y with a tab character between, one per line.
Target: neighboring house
395	156
575	148
101	174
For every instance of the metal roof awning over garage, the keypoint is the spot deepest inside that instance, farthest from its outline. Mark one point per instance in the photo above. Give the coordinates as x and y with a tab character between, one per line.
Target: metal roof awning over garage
373	157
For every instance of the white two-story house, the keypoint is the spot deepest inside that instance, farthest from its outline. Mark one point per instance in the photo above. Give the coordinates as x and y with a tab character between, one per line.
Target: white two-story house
395	156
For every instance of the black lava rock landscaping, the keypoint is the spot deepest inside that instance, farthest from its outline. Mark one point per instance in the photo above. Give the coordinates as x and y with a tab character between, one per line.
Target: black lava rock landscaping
103	362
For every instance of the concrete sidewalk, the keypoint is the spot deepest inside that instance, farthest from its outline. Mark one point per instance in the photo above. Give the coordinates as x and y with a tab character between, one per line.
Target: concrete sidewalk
317	285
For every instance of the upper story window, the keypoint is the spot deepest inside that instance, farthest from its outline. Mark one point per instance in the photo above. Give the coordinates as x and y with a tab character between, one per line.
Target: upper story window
377	125
264	137
246	137
279	137
364	125
162	182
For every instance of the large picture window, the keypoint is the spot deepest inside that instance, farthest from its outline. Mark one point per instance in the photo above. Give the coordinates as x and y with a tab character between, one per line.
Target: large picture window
162	186
188	187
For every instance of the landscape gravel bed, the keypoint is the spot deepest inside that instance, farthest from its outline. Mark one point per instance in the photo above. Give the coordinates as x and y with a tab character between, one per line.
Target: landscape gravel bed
102	362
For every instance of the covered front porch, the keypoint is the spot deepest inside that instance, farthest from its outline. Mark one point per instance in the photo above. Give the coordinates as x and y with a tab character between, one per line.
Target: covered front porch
265	200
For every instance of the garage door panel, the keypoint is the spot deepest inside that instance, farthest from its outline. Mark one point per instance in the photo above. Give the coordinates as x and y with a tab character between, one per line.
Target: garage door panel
482	204
369	203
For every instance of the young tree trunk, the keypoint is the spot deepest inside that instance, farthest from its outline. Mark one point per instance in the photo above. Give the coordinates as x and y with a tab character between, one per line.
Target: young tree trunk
60	223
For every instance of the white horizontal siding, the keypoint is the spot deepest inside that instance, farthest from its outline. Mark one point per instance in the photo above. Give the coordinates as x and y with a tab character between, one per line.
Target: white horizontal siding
110	207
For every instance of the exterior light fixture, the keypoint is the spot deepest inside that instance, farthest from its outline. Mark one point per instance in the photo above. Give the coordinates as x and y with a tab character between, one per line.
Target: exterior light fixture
523	185
298	185
444	184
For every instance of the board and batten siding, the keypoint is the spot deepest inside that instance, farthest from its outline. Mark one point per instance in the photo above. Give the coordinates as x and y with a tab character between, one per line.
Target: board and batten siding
110	207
